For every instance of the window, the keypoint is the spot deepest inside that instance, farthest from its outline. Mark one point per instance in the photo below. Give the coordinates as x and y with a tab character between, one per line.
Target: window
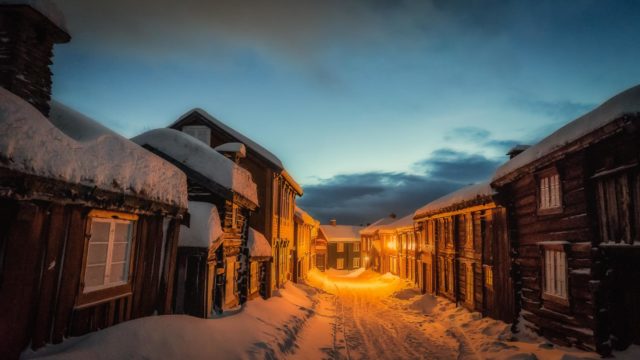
231	285
555	273
469	229
108	253
200	132
255	277
488	276
618	201
340	247
470	292
340	264
356	246
549	194
356	263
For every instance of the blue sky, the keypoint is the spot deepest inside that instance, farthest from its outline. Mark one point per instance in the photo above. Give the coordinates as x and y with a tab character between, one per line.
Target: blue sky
374	106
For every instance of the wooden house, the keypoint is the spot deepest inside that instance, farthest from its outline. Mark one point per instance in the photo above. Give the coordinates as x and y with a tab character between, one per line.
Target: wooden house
212	271
320	251
306	230
466	251
343	246
277	190
90	220
371	243
405	241
573	201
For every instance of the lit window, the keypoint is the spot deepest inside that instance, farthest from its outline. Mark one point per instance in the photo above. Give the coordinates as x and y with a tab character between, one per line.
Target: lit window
356	263
555	273
340	264
488	276
200	132
549	188
356	246
340	247
469	229
108	253
255	277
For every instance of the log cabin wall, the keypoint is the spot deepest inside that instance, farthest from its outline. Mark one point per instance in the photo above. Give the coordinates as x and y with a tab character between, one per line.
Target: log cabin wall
43	252
567	232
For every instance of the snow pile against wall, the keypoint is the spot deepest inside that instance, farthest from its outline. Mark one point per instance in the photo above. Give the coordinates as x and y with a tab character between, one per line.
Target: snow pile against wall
31	144
241	138
463	195
258	244
341	233
202	159
625	103
204	226
45	7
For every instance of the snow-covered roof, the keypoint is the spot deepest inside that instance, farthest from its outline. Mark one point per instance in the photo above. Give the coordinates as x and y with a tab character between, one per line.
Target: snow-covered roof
233	147
31	144
341	233
378	225
45	7
202	159
304	216
292	182
240	137
204	229
625	103
258	244
463	195
401	223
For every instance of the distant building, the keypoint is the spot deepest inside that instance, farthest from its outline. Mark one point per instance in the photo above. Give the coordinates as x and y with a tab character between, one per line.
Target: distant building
343	246
277	190
306	231
372	244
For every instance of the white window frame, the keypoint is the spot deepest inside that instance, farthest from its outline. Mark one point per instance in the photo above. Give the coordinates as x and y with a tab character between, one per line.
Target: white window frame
549	192
340	264
200	132
340	247
109	257
556	276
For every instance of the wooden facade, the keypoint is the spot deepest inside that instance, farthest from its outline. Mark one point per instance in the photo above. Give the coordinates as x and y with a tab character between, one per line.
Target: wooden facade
574	220
343	246
465	254
306	231
276	189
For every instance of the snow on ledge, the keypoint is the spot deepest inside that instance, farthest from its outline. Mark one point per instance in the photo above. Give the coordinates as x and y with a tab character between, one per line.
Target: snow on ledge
625	103
45	7
31	144
233	147
258	244
457	197
204	226
201	158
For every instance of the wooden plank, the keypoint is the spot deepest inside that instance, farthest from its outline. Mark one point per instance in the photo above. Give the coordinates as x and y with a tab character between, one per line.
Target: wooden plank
55	238
20	278
139	269
71	270
157	261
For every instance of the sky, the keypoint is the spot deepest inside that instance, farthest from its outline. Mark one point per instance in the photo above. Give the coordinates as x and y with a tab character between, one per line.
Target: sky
375	107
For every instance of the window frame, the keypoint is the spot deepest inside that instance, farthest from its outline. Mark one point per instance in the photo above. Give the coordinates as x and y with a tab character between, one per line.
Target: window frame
356	247
98	295
339	247
340	264
540	177
557	297
356	262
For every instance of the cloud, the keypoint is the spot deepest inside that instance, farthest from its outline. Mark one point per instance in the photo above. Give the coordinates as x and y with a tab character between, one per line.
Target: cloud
560	110
364	197
483	137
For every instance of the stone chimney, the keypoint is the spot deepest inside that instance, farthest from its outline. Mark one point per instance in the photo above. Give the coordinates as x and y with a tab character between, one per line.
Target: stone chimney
333	222
28	31
516	150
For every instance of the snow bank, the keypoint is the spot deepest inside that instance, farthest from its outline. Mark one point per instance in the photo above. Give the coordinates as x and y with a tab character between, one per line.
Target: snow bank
45	7
465	194
204	226
241	138
258	244
263	329
31	144
202	159
233	147
341	233
625	103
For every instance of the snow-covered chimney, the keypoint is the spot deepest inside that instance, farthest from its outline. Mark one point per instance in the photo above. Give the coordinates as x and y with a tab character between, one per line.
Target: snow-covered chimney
233	151
28	31
516	150
333	222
